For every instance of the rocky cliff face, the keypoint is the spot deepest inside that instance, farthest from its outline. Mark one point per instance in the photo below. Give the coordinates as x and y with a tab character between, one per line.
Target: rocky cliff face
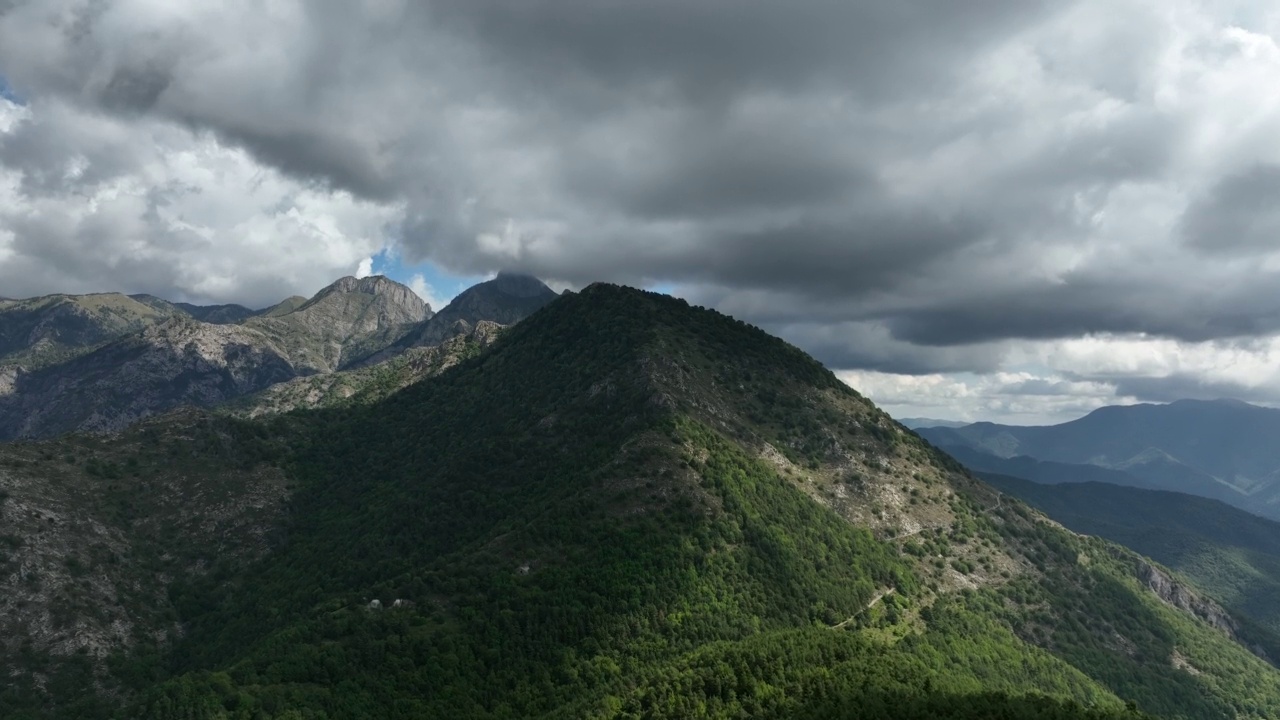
371	383
180	362
94	530
229	314
1178	595
345	322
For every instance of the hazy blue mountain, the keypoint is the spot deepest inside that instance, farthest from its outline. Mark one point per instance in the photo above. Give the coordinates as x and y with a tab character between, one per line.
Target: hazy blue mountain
919	422
1049	473
1222	449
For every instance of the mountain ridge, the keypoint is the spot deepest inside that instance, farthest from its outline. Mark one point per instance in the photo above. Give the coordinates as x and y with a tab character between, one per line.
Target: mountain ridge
623	506
621	471
169	358
1222	449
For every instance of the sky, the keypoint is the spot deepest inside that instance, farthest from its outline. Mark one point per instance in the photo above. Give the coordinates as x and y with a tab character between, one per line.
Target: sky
1013	210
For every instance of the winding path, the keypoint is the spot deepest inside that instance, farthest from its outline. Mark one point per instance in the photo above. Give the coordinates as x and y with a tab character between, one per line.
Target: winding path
870	605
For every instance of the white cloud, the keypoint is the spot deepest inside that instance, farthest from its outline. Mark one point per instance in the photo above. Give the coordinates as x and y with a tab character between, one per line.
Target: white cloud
427	292
1022	398
365	269
92	203
1063	379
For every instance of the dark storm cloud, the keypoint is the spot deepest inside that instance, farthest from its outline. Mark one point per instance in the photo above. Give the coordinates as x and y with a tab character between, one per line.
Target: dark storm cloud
714	50
1181	306
896	186
870	346
859	255
1184	386
135	89
704	169
1240	214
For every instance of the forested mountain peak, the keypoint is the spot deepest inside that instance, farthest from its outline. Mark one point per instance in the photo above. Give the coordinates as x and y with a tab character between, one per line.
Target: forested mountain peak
625	506
518	284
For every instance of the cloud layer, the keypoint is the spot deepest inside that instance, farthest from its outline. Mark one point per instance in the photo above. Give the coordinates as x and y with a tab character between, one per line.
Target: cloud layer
923	188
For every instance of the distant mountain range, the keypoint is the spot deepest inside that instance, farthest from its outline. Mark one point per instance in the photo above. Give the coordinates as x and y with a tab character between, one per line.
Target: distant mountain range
1222	449
99	363
921	422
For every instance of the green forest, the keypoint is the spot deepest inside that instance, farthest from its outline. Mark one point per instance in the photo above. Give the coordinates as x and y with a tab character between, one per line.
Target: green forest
579	521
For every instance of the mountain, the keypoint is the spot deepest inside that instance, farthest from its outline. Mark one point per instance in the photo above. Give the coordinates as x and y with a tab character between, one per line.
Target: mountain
917	423
367	384
1048	473
229	314
622	507
1229	554
95	531
1220	449
181	361
43	331
344	323
505	300
284	307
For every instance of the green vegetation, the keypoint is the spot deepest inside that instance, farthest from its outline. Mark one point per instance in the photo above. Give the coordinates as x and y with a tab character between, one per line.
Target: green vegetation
627	507
1227	553
92	535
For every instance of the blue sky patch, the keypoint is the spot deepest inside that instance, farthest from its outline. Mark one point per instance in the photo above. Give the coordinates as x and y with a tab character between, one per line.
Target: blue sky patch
441	286
8	93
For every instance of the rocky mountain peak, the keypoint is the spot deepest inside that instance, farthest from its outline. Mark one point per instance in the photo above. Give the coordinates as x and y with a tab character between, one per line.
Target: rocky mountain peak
395	294
346	321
